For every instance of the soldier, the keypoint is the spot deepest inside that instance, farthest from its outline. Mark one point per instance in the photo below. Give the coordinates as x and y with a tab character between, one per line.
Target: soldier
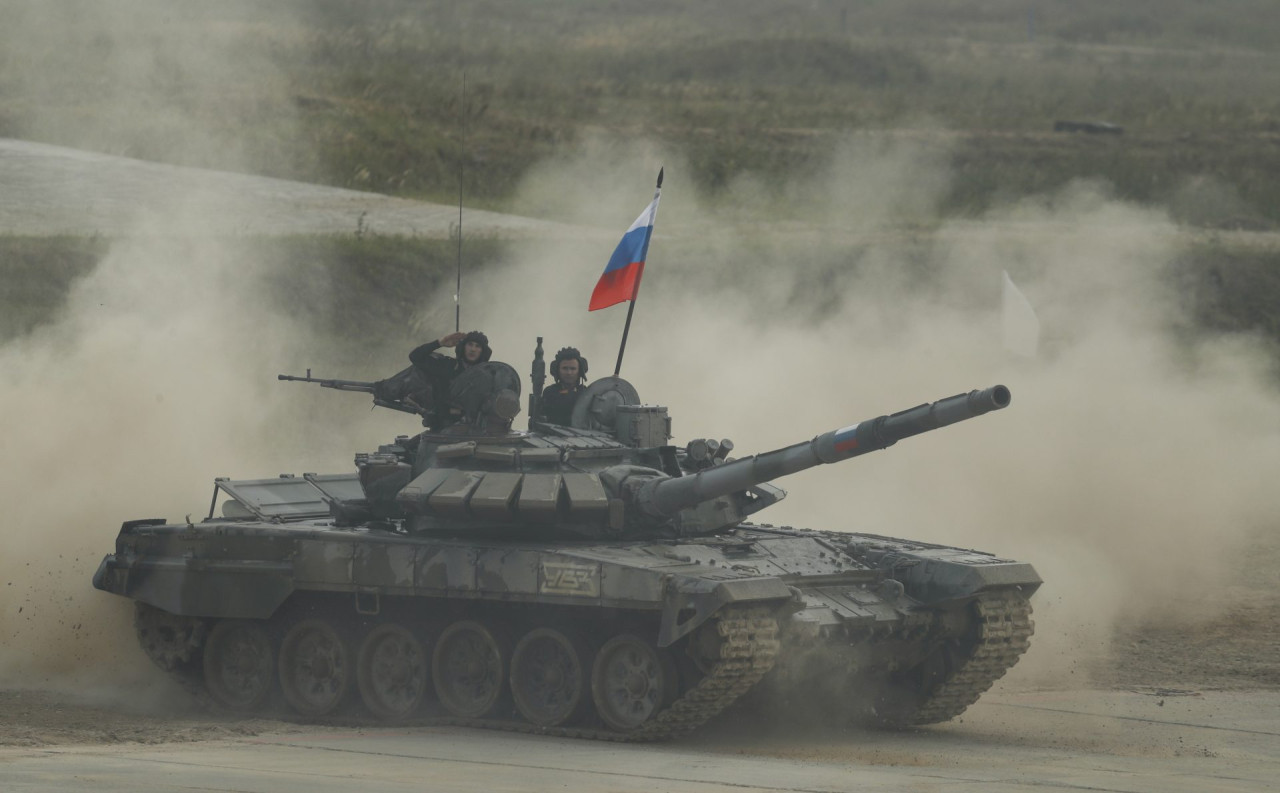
426	383
570	371
474	349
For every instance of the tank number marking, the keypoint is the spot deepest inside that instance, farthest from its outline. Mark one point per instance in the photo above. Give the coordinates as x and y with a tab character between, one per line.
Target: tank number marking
561	578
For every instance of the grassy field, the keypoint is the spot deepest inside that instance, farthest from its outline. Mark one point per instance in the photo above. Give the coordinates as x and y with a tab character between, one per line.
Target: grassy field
342	288
370	95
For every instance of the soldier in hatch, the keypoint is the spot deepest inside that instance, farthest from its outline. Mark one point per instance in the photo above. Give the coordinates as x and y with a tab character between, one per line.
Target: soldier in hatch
426	383
471	348
570	372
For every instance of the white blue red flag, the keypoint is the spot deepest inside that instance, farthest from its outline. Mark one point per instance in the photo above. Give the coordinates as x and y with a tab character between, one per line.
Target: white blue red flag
621	278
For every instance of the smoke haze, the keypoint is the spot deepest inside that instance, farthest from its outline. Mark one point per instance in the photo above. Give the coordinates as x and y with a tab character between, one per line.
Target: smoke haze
169	81
1127	469
158	374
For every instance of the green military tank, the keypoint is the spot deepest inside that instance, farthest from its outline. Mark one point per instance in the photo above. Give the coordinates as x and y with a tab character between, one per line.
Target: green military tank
589	580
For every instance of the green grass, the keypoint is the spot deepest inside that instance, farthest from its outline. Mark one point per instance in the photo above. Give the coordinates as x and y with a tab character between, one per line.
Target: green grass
344	289
1232	290
35	275
769	88
349	290
369	95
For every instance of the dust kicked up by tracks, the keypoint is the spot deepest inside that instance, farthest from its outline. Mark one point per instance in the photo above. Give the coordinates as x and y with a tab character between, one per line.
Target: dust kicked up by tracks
43	718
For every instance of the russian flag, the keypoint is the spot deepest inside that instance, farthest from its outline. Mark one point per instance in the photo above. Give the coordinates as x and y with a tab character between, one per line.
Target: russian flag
621	278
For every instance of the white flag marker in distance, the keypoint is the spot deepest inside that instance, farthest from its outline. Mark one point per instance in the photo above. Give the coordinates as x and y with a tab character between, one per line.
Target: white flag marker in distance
1021	325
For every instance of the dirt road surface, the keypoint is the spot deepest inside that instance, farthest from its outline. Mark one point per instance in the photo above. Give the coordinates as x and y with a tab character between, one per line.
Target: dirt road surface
1063	740
51	190
54	190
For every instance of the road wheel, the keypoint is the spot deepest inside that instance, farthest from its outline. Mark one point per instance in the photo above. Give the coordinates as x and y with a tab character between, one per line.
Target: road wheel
631	681
467	668
239	665
315	672
549	678
168	640
391	670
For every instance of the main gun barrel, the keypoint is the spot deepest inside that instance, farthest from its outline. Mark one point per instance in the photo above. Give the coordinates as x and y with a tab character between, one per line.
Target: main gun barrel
666	497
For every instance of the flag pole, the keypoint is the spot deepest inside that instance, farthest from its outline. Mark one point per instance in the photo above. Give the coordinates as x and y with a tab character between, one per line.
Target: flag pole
626	329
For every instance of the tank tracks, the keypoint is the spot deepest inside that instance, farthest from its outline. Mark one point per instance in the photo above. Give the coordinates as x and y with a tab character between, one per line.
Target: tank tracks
1004	634
747	650
173	644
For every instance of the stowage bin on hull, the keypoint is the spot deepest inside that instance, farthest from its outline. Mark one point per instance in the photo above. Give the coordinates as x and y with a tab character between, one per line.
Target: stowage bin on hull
584	580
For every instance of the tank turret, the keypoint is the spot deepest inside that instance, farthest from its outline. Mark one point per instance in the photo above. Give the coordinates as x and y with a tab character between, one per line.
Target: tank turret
586	482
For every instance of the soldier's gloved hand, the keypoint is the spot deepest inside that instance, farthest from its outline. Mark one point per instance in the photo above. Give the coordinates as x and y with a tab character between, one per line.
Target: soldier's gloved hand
452	339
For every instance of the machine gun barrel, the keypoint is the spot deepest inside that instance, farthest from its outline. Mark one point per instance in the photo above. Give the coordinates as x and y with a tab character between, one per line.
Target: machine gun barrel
341	385
355	385
666	497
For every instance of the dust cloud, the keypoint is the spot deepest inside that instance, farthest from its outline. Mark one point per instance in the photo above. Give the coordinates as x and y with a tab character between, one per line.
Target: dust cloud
172	82
159	376
159	372
1129	468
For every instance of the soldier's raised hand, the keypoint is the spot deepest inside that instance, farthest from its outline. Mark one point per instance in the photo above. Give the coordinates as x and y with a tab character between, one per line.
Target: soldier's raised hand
452	339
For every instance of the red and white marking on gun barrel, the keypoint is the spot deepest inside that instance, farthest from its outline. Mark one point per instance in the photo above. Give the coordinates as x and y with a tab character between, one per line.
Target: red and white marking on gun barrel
846	438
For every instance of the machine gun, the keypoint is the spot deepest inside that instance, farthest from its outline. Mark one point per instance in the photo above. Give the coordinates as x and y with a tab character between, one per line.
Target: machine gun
363	387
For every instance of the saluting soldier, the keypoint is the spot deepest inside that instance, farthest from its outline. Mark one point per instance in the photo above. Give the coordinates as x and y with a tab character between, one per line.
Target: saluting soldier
426	383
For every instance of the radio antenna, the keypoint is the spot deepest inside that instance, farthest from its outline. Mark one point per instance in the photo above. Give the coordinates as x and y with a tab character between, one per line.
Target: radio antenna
462	158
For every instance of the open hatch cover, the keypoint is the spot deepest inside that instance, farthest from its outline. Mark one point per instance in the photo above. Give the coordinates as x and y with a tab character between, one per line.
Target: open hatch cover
288	498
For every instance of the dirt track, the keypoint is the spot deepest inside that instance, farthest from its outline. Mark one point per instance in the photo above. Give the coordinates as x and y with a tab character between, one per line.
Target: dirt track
1066	740
1218	659
1182	705
1171	659
51	190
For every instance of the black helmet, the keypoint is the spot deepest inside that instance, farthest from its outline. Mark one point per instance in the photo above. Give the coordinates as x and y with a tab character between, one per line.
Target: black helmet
565	354
478	338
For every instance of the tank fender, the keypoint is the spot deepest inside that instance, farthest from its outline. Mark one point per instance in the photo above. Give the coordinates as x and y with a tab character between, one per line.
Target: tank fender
237	590
100	576
689	602
937	576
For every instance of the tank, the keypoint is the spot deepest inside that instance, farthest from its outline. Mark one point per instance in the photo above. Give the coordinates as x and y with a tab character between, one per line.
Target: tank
591	580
